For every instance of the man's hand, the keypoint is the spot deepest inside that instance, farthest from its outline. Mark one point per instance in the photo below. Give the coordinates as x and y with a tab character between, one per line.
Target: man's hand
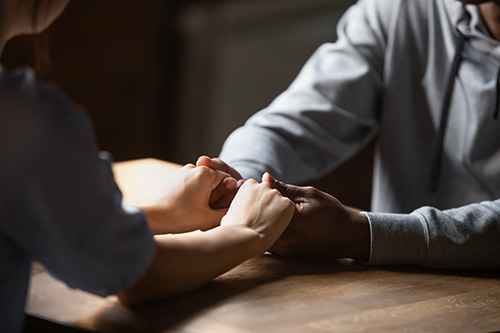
221	197
322	226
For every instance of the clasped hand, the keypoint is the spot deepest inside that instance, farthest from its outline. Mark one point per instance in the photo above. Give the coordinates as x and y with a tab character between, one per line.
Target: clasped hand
185	203
200	197
321	226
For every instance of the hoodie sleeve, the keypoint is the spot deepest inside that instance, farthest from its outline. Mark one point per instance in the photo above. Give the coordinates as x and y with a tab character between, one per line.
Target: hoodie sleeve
462	238
328	113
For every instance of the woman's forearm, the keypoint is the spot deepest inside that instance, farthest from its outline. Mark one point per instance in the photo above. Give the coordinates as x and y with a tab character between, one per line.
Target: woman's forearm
258	215
187	261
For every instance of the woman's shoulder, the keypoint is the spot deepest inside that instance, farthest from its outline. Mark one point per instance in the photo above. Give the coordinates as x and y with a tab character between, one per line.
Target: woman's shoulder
22	93
26	103
37	118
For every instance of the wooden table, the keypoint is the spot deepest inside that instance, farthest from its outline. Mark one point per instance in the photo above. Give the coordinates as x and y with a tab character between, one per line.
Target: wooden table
273	294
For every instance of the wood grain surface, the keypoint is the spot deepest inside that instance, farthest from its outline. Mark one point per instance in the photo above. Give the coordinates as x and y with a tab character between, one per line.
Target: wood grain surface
274	294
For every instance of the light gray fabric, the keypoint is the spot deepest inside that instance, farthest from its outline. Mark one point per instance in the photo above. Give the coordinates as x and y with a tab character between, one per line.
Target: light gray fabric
59	203
386	77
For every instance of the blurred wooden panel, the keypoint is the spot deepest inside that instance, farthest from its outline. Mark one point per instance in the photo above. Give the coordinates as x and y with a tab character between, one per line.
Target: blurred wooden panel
237	57
104	55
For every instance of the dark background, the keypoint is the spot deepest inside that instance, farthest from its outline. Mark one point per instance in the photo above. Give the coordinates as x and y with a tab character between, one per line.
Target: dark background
171	79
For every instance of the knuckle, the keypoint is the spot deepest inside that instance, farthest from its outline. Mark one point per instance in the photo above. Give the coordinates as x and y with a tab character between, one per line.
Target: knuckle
251	181
309	190
203	168
275	192
200	171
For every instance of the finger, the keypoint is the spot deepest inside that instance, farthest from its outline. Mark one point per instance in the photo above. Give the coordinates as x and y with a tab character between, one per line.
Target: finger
215	176
225	201
221	165
214	184
225	187
292	192
250	181
213	163
218	164
230	183
267	178
206	161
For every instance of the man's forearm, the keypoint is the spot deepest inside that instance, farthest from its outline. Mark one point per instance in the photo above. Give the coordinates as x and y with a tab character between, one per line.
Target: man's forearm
463	238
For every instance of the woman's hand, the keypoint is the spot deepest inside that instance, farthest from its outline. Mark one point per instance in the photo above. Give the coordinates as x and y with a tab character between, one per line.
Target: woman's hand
220	197
217	164
261	209
257	217
184	204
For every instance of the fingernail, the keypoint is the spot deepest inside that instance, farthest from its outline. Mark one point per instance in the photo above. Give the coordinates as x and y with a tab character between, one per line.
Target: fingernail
231	183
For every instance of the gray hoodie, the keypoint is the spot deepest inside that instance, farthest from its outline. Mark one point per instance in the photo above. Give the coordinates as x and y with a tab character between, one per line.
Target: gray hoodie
388	75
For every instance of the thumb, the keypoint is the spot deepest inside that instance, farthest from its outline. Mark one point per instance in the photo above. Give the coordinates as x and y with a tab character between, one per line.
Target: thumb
226	186
290	191
212	218
206	161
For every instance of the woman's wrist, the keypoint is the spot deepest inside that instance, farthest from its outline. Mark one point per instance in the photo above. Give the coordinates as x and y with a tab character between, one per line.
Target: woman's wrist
160	219
242	239
150	215
187	261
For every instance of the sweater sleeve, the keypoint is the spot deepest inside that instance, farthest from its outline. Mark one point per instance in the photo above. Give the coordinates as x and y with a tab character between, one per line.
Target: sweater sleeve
328	113
59	202
467	237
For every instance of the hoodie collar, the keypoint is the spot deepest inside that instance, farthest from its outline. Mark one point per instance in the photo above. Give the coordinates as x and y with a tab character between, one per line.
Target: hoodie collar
468	21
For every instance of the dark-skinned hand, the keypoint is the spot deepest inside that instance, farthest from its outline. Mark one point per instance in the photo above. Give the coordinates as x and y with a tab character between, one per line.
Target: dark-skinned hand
322	226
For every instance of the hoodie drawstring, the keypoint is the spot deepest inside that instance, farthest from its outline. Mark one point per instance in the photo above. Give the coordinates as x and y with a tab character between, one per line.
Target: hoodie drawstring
497	99
437	154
